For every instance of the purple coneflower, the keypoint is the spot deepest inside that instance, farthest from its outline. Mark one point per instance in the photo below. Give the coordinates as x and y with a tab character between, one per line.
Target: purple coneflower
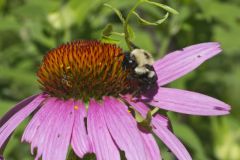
86	98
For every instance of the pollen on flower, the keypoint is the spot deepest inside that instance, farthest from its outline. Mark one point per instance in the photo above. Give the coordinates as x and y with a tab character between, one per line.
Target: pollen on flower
76	107
82	70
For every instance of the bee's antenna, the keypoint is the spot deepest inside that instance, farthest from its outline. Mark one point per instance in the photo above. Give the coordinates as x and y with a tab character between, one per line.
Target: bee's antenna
133	46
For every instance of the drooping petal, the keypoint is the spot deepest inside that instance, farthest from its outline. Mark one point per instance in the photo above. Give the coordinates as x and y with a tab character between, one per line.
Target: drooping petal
10	113
50	129
188	102
14	120
80	140
151	148
102	142
16	108
123	129
179	63
170	140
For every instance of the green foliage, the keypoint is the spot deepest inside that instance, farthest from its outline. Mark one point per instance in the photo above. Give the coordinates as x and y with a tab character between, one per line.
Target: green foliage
29	28
128	31
165	7
146	22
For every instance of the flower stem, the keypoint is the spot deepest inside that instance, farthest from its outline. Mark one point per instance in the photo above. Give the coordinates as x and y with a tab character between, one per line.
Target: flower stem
125	24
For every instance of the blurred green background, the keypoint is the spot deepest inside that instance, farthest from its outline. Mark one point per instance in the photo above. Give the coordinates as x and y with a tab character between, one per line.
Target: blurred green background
29	28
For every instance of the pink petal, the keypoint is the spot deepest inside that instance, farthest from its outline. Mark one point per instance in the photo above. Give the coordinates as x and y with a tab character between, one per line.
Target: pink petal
40	139
171	141
160	128
102	142
179	63
15	109
123	129
50	129
37	120
188	102
35	127
80	140
10	113
151	148
61	133
14	120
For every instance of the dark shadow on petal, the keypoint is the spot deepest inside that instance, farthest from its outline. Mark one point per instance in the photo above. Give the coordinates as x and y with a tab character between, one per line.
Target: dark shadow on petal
10	113
221	108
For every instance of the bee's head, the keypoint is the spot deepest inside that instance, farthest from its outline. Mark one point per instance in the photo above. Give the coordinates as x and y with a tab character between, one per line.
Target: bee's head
129	62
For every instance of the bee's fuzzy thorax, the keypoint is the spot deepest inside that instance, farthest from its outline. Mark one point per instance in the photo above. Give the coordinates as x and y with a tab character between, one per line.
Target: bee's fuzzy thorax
140	64
142	57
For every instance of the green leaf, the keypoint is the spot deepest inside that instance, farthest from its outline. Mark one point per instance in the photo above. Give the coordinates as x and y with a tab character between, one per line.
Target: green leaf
138	116
107	30
109	40
165	7
146	22
144	122
118	34
119	14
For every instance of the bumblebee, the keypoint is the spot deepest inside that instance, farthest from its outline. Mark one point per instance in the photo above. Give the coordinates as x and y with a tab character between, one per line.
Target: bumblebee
139	63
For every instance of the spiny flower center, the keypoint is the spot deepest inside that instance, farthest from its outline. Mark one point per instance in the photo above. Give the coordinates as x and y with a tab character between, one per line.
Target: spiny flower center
83	69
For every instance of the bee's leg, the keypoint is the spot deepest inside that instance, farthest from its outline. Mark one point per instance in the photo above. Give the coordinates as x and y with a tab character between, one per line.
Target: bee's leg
135	94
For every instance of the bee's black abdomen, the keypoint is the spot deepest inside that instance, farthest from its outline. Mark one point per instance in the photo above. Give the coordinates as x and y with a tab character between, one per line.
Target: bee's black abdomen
147	83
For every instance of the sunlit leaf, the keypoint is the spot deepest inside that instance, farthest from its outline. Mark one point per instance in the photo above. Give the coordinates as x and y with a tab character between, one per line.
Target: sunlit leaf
138	116
118	34
109	40
146	123
165	7
146	22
